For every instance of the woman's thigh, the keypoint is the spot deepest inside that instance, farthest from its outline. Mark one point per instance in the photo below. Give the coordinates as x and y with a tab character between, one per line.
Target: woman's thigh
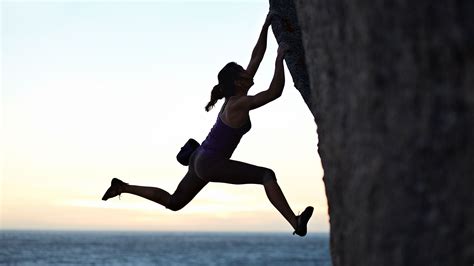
213	168
187	189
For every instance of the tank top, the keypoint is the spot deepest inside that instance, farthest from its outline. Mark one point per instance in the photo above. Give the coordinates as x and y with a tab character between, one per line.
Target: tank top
223	139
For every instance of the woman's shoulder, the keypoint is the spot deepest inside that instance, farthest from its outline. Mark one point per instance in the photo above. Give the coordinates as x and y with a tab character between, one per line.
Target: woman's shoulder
238	102
233	112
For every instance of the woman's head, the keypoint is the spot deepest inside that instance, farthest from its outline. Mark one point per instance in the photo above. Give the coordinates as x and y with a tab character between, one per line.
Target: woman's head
230	78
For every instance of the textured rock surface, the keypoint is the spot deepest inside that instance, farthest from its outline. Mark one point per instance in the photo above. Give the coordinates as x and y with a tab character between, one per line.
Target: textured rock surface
285	28
392	92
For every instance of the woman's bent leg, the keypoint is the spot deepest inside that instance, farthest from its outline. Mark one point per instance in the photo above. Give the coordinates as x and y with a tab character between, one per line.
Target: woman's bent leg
277	198
235	172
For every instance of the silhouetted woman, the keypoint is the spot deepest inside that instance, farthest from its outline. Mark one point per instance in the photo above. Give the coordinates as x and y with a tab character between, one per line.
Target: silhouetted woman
211	161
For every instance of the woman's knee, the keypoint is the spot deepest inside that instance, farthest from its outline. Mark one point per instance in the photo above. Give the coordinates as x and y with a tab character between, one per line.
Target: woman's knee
174	204
187	189
268	175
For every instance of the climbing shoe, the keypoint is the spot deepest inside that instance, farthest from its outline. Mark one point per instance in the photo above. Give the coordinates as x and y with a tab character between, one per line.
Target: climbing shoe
303	219
115	189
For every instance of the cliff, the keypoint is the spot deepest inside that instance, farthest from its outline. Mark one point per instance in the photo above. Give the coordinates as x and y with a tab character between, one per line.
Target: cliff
391	87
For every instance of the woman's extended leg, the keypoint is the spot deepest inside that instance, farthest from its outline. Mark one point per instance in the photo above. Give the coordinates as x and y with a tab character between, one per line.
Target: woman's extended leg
155	194
187	189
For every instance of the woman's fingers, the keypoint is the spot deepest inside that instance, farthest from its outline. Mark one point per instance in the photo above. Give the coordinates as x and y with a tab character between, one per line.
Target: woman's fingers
271	14
283	48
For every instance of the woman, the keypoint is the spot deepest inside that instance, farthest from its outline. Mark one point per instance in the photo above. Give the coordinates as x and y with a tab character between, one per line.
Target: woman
211	161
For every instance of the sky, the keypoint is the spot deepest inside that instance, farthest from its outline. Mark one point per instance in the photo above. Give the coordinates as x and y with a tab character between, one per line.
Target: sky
93	90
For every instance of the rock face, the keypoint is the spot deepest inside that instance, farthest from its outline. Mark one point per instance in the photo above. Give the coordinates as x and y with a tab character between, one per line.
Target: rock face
391	86
286	28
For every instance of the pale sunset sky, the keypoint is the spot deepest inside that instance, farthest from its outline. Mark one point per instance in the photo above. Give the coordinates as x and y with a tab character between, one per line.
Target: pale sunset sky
98	89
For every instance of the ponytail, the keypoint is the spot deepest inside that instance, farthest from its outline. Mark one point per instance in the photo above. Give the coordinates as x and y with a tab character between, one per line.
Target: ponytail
226	87
216	94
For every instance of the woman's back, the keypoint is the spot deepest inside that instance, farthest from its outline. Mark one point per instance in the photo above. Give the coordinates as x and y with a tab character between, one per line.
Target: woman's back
224	138
232	115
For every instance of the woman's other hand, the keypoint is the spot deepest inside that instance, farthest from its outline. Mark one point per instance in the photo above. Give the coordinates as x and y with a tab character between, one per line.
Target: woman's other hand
268	20
283	48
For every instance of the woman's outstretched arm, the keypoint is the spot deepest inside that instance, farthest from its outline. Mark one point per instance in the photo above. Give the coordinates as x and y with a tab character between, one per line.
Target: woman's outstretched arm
260	47
276	86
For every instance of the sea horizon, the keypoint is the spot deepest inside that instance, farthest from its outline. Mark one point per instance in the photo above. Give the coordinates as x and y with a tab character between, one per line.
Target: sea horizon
112	247
72	230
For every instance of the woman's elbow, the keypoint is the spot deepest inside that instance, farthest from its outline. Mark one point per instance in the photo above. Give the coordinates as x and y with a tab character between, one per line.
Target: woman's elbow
275	95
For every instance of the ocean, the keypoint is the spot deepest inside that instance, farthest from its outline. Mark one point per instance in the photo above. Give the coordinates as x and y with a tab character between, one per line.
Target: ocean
161	248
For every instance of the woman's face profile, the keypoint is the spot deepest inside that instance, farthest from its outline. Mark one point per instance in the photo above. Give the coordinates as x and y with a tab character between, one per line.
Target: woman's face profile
245	80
